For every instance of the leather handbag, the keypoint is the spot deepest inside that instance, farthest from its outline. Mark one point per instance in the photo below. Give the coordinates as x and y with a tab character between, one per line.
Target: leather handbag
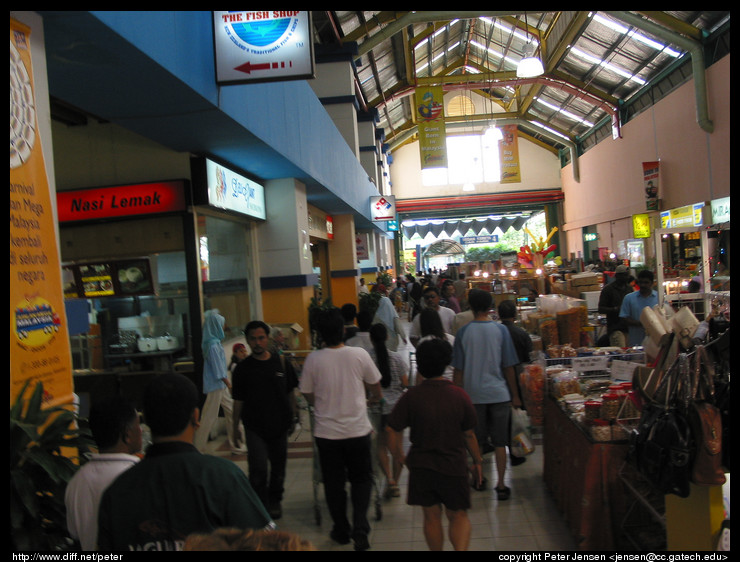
706	424
660	446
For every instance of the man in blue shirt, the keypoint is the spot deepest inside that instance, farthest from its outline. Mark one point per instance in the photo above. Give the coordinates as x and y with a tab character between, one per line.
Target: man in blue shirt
483	359
632	306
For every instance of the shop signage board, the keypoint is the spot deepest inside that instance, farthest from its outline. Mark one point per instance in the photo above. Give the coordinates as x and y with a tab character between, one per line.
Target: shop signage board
121	201
686	216
641	225
508	148
230	191
261	46
430	116
39	344
383	207
721	210
489	239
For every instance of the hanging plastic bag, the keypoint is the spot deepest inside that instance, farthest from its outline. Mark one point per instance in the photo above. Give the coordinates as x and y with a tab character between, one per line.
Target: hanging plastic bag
521	437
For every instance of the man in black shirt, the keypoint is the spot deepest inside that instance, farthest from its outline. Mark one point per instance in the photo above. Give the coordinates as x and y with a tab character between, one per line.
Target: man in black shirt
263	389
610	302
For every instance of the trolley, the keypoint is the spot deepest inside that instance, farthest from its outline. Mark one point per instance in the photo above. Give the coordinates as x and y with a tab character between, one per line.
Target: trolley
374	414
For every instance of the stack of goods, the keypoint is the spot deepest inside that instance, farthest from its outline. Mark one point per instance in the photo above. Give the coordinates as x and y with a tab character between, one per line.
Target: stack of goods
533	384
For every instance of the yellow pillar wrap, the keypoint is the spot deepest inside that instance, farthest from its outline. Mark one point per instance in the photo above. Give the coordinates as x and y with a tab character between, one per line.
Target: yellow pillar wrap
693	523
281	306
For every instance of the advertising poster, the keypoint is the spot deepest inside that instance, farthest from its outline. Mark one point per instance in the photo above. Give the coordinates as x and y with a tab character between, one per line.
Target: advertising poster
430	116
651	179
509	155
39	344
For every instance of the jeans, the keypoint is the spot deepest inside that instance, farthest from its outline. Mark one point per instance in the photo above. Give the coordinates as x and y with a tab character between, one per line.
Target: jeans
267	484
342	460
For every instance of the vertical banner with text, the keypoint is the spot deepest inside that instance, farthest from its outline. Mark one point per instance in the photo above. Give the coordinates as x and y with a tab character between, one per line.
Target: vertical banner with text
430	116
508	148
651	179
39	344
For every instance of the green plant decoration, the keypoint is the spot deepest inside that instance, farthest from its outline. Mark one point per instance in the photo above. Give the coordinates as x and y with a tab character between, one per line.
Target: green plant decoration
39	471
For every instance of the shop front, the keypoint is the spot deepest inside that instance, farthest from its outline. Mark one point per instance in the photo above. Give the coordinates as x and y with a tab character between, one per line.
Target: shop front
128	276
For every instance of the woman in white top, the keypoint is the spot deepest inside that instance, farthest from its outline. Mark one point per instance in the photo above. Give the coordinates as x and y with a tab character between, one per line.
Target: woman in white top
394	373
388	315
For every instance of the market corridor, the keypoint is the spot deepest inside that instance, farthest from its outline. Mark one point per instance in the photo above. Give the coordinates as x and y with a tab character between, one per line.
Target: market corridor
529	520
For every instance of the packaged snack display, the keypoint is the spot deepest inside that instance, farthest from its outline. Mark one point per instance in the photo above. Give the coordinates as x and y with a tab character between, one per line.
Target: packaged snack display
533	384
565	383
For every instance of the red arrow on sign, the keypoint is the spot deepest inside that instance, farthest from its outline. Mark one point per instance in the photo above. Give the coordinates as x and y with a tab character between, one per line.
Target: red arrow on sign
248	67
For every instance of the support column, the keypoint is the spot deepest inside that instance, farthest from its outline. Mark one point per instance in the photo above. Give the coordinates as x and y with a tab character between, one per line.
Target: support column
286	275
343	261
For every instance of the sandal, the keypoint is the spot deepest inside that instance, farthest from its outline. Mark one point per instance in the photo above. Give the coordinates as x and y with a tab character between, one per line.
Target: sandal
480	487
395	492
503	493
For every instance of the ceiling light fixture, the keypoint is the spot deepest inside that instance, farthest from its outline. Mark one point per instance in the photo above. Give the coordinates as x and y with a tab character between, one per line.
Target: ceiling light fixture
530	65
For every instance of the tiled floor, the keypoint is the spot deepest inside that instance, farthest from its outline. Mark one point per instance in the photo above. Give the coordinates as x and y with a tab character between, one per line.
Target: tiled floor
529	520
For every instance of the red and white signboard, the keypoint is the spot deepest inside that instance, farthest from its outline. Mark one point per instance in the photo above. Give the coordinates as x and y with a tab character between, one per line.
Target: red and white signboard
259	46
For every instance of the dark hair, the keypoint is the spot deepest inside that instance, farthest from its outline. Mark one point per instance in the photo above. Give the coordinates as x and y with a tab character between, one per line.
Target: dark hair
431	289
432	357
349	312
431	324
479	300
330	325
378	335
256	324
645	274
507	309
169	401
364	320
109	419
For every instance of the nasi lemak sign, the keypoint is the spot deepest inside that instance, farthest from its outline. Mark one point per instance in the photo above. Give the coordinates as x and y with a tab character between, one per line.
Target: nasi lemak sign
259	46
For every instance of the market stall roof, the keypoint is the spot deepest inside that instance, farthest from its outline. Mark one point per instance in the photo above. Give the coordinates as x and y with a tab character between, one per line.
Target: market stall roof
463	227
444	248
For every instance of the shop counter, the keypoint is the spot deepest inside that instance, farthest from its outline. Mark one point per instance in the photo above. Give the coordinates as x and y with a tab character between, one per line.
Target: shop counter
583	477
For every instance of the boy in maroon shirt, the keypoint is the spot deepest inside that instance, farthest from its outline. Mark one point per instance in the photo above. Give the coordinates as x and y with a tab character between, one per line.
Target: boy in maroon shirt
442	423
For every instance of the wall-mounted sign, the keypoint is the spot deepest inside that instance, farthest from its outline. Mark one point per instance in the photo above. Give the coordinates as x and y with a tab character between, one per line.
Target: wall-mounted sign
121	201
508	148
218	186
721	210
590	236
383	207
689	215
361	246
119	278
259	46
392	226
329	227
641	225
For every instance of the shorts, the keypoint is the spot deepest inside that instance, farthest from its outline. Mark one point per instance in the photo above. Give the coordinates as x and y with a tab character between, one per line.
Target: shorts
493	424
428	487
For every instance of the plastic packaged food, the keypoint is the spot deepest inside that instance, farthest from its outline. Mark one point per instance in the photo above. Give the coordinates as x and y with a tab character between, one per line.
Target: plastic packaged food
565	383
533	384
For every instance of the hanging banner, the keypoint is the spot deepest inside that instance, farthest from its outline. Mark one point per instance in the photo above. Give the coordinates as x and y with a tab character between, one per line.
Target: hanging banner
651	178
430	116
39	343
508	148
260	46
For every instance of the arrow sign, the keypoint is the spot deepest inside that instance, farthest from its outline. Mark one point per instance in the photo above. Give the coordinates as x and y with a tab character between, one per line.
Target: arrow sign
248	67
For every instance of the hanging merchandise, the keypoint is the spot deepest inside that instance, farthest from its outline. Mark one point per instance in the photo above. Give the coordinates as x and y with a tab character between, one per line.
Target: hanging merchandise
706	424
660	446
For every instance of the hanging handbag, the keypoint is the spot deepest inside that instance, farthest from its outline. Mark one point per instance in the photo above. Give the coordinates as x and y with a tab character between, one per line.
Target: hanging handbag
660	446
706	424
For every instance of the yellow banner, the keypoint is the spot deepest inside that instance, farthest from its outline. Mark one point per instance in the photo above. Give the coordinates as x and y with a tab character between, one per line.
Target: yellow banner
508	148
430	116
39	344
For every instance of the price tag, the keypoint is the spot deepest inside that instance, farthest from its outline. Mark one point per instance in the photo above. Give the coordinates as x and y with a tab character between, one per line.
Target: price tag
593	363
623	370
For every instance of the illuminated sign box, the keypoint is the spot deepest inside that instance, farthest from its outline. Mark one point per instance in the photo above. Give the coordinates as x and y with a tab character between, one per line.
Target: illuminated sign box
121	201
383	208
217	186
260	46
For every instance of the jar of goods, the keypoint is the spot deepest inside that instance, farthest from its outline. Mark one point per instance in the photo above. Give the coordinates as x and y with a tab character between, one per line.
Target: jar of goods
549	333
616	389
569	326
601	430
610	405
592	411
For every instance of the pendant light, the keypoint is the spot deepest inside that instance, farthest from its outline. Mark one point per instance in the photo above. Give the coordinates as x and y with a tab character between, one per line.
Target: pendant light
530	65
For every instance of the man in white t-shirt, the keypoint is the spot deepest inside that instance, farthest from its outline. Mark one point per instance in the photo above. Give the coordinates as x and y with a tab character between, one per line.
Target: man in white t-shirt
336	381
431	299
114	424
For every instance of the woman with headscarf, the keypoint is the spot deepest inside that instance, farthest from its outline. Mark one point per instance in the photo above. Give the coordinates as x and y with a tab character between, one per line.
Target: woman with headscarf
216	382
388	316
